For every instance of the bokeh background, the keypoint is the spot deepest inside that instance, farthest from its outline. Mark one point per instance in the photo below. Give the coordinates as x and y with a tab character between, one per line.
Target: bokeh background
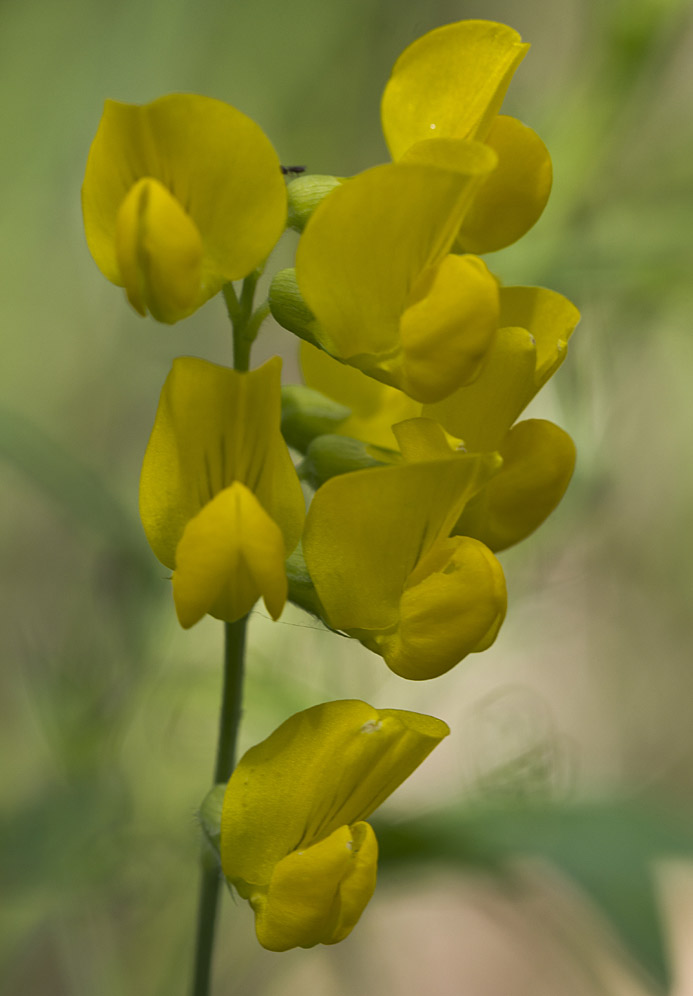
580	712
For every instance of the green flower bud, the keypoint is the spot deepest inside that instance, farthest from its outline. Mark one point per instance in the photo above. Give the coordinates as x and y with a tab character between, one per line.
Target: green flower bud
305	193
327	456
307	413
289	309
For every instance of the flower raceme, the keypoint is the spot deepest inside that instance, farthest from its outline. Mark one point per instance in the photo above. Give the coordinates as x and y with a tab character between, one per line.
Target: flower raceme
293	838
450	84
180	196
220	501
378	548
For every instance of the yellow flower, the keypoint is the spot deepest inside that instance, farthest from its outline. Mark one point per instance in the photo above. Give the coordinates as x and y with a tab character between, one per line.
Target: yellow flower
219	497
450	84
293	837
374	267
180	196
538	457
377	546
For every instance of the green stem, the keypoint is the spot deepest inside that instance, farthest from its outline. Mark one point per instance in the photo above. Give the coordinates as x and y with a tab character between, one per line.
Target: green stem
244	321
229	721
241	353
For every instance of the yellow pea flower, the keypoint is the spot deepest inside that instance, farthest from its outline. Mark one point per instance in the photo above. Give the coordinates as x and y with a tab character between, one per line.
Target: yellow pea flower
180	196
535	326
293	837
538	457
450	84
374	268
220	501
376	543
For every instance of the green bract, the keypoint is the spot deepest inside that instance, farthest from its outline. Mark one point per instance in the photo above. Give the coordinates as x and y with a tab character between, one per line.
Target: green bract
293	840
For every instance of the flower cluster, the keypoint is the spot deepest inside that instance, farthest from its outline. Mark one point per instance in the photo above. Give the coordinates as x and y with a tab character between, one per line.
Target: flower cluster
417	365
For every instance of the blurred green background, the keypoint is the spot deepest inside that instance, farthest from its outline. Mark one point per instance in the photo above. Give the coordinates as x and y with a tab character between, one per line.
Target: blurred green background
109	710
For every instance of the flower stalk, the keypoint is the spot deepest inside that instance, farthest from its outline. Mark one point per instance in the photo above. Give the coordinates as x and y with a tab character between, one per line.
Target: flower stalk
229	722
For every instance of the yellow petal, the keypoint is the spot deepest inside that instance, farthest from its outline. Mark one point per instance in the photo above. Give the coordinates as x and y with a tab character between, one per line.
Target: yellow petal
514	195
448	329
229	555
358	885
367	244
538	462
456	154
453	601
317	895
366	530
450	83
375	407
423	439
159	252
215	426
216	163
481	413
324	768
549	317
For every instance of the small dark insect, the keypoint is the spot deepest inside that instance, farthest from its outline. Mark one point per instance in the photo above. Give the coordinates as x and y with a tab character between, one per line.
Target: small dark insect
292	170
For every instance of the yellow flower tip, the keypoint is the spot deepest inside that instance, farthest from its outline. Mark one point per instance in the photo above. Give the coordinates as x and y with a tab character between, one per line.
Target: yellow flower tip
229	555
425	439
513	197
448	329
159	252
538	463
317	895
453	605
293	837
450	83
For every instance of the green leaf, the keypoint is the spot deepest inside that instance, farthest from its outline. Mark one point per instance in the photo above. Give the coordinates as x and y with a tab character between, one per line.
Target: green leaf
606	848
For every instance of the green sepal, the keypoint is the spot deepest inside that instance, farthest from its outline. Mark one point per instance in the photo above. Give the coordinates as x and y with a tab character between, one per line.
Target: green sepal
289	308
307	413
209	816
305	193
301	588
330	455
